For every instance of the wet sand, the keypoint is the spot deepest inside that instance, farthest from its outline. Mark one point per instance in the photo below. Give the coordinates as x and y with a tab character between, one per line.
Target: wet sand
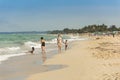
95	59
19	68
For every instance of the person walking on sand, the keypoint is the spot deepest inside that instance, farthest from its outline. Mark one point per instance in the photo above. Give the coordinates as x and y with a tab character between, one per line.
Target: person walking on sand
43	49
66	44
59	43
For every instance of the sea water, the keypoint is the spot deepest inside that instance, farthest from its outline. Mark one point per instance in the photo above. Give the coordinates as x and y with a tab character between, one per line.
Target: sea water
17	44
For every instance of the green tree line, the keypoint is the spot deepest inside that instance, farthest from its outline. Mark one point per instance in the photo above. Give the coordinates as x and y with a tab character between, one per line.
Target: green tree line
88	29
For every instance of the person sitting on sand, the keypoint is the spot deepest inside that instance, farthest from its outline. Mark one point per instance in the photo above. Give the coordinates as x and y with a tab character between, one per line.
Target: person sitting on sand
33	49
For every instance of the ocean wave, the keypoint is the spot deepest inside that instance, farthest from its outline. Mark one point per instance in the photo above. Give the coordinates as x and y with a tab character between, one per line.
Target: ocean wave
32	44
9	49
72	38
52	41
13	48
76	38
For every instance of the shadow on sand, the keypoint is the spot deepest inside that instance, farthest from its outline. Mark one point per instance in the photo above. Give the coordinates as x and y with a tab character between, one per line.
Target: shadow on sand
21	73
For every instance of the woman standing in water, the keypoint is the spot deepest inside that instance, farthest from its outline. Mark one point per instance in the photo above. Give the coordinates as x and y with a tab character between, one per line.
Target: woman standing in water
59	43
43	49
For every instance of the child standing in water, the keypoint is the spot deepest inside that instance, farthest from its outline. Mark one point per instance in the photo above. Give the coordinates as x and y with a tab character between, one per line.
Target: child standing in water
66	44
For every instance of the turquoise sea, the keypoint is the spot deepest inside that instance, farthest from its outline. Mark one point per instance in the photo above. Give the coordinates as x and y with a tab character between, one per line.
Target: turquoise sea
16	44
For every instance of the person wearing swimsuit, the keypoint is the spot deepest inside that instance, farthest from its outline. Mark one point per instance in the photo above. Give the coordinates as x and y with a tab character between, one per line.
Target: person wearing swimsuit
59	43
43	49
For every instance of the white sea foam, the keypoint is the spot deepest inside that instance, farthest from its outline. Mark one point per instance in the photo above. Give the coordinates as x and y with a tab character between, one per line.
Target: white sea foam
52	41
32	44
6	57
72	38
76	38
13	48
9	49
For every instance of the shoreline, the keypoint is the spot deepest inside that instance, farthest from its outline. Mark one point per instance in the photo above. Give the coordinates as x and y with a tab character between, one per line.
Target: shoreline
60	59
71	40
96	59
20	67
5	56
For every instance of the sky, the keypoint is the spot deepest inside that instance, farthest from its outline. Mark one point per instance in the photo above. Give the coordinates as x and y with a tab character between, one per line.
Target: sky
44	15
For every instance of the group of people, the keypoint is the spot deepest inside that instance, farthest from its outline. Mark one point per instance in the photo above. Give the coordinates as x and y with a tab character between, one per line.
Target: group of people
59	44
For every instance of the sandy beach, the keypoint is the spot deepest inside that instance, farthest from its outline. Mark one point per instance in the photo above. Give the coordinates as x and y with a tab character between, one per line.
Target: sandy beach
94	59
59	39
20	67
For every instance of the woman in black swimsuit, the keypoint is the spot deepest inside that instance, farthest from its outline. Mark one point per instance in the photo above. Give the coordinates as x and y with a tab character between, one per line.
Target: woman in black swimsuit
43	48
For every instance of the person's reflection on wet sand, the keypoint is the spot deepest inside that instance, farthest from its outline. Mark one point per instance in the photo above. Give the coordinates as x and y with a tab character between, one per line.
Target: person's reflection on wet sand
43	49
44	57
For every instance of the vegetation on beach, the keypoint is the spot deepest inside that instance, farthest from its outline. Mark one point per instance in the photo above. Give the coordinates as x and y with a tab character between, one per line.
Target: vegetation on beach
88	29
